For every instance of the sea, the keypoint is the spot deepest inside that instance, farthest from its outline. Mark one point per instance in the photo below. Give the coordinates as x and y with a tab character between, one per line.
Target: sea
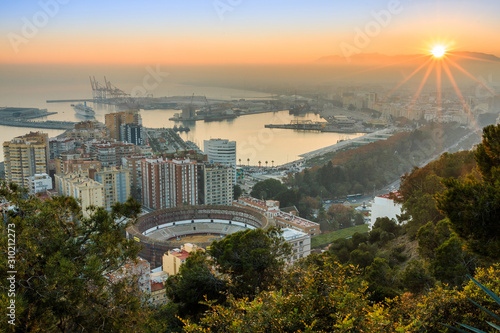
32	86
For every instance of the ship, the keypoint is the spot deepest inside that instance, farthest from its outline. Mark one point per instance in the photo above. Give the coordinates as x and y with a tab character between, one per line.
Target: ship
83	109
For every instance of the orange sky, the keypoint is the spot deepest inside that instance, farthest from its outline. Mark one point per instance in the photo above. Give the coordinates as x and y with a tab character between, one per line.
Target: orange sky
246	34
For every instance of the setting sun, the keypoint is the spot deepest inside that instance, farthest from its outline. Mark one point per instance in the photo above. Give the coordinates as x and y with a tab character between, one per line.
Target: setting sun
438	51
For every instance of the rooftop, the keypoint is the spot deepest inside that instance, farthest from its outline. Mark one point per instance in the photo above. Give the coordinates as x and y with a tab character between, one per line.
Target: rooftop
295	219
180	254
391	195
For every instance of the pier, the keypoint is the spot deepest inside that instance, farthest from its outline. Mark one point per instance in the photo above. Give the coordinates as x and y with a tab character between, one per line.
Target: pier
307	125
49	124
69	100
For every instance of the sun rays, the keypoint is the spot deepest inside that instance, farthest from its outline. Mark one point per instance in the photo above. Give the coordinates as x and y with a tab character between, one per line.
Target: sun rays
442	60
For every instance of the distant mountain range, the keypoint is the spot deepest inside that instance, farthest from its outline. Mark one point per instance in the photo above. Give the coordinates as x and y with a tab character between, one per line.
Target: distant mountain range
377	58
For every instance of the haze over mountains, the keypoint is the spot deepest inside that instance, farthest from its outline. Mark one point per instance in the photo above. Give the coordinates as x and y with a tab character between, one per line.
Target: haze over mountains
377	58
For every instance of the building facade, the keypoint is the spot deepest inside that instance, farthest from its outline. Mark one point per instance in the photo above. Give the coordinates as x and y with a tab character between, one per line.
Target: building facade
39	183
172	260
217	188
57	146
80	187
114	121
109	153
271	209
26	156
300	243
385	206
222	152
116	182
133	163
78	165
169	183
131	133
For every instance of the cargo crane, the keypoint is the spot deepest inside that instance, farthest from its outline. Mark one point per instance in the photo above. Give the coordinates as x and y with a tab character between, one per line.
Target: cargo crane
113	91
98	91
101	93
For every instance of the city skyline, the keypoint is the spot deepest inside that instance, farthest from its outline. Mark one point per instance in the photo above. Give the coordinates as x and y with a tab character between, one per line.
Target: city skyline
238	32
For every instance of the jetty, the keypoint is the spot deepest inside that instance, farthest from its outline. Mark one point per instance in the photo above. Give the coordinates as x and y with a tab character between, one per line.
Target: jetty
49	124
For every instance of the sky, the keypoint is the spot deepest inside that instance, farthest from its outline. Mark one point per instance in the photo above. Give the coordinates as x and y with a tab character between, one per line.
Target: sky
238	31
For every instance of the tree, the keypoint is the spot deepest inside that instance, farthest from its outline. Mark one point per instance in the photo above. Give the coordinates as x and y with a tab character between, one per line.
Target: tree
416	277
253	259
342	215
381	280
194	283
271	187
473	205
359	219
64	261
420	187
237	192
320	296
488	154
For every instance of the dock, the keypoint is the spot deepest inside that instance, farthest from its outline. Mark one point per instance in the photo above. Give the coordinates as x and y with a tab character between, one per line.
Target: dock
49	124
302	126
307	125
69	100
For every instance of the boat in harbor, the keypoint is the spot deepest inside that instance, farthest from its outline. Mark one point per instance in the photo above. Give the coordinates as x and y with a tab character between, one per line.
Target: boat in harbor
83	109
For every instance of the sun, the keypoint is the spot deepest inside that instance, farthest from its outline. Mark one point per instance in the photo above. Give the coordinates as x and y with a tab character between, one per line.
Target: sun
438	51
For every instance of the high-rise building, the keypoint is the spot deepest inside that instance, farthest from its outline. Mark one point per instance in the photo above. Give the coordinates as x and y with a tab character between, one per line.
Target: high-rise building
169	183
26	156
217	186
88	130
57	146
113	122
222	152
131	133
110	154
133	163
88	191
116	182
78	165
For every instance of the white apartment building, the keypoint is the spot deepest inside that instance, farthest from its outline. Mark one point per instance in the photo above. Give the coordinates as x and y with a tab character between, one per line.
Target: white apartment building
223	152
217	185
384	206
300	242
39	182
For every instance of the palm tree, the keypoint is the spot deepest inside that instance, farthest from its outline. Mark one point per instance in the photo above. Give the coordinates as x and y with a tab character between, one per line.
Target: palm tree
266	163
272	164
239	160
259	163
248	160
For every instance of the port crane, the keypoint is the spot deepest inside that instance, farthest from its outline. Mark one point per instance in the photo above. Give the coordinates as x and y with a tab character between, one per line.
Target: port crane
107	91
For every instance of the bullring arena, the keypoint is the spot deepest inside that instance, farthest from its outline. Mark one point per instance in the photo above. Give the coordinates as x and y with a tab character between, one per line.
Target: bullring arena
166	229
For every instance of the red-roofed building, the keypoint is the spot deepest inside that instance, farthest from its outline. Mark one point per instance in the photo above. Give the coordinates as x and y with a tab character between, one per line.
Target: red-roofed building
158	295
271	209
172	260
